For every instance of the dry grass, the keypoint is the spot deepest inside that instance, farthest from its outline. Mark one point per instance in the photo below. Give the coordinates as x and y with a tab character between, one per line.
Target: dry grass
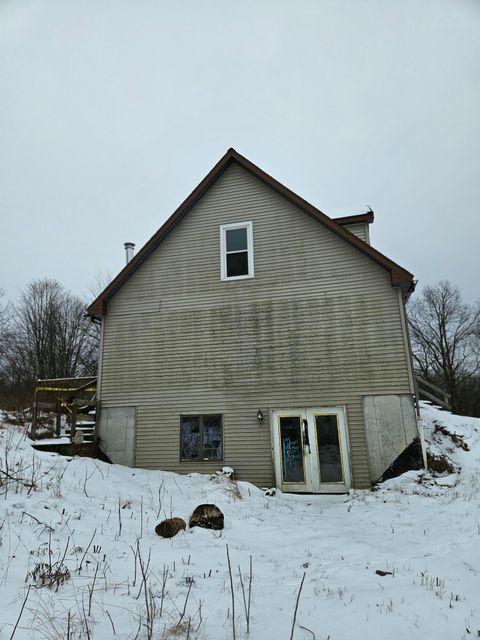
457	440
439	464
50	575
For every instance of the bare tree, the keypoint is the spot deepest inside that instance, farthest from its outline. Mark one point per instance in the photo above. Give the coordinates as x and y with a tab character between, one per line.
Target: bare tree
445	334
49	337
4	320
93	327
100	282
4	334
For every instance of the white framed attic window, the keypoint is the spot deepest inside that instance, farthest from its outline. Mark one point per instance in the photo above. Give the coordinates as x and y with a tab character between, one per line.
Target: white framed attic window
236	251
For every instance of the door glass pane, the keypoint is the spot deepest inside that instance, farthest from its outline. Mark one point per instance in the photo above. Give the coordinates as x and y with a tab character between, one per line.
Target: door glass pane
190	437
329	448
212	437
237	239
237	264
292	449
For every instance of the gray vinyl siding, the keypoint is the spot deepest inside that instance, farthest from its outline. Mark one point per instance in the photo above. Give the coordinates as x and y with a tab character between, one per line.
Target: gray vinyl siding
359	229
318	325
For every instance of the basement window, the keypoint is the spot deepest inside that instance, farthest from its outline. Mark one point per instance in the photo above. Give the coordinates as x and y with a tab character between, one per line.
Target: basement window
201	438
236	251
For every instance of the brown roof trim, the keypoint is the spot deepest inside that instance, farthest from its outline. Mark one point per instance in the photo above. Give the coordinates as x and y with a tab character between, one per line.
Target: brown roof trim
367	218
400	277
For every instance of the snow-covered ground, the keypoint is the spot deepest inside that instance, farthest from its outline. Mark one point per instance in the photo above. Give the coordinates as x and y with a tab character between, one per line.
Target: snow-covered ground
97	521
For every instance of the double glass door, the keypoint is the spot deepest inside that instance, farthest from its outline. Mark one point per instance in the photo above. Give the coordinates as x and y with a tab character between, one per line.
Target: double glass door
311	450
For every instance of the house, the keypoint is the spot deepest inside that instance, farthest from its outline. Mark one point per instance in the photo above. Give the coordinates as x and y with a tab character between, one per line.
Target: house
254	331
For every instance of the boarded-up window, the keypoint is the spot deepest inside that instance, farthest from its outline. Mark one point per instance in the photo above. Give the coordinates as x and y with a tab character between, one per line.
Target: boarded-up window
391	425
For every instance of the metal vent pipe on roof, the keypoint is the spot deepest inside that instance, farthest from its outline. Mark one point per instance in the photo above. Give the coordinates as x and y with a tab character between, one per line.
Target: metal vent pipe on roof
129	247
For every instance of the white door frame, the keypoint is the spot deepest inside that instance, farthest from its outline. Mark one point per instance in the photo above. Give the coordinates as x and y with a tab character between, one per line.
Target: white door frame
311	459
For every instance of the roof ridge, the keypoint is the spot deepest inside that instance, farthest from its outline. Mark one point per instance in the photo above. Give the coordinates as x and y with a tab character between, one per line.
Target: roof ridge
399	276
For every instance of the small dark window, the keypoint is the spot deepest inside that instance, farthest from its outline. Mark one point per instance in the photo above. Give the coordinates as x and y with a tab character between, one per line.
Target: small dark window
237	239
237	264
201	437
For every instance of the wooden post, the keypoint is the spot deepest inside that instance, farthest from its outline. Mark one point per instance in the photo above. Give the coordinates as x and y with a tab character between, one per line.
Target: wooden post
58	418
73	425
34	418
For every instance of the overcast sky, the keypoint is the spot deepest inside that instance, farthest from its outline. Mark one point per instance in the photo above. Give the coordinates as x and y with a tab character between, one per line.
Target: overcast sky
112	111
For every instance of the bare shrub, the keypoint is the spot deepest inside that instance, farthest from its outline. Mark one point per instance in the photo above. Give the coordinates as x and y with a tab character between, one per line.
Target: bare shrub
228	483
178	630
457	440
48	575
439	464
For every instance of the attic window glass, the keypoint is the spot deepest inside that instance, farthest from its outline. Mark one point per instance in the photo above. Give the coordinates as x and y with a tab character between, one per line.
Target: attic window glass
201	438
236	243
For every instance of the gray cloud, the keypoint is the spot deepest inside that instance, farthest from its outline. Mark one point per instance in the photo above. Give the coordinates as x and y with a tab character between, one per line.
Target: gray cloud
111	112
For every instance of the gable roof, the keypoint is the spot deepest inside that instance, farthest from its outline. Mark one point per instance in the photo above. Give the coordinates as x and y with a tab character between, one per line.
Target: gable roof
400	277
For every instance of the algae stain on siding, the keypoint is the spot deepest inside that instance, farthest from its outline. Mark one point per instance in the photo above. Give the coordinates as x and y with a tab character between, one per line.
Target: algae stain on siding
318	325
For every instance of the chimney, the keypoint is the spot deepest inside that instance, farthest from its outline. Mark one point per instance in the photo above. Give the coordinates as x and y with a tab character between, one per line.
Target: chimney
129	247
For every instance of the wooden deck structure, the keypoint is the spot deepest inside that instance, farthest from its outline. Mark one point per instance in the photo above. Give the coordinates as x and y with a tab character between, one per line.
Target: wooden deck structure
429	391
71	398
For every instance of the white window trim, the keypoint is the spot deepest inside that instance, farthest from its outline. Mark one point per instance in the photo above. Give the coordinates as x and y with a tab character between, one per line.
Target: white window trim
223	249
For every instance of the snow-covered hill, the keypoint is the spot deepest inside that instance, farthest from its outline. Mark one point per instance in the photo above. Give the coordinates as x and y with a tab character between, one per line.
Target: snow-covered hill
95	523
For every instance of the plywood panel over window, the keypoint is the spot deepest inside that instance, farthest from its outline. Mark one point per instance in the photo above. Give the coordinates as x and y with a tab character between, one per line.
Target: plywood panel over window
117	434
390	424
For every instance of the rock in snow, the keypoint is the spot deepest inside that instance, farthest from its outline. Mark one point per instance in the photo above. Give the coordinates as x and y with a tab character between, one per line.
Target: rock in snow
170	527
207	516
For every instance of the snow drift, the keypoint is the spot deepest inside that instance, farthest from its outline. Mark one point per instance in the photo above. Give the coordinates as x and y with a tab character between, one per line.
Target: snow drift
79	557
